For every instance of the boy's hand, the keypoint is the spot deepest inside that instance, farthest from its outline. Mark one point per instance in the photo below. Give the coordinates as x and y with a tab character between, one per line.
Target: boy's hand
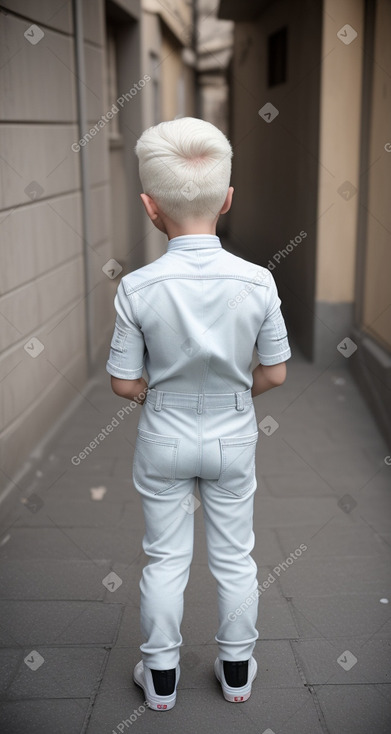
265	377
142	399
130	389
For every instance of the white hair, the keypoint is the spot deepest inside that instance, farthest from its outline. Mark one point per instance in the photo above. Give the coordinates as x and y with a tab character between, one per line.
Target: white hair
185	166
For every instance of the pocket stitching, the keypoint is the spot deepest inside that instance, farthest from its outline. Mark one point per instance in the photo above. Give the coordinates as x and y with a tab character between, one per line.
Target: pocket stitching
170	441
247	440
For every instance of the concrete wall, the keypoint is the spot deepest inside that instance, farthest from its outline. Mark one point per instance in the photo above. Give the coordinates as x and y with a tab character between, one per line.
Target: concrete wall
275	165
100	244
41	302
129	232
371	363
376	312
43	361
339	175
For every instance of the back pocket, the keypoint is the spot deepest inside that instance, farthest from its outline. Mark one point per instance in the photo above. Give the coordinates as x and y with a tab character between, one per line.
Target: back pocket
154	461
237	473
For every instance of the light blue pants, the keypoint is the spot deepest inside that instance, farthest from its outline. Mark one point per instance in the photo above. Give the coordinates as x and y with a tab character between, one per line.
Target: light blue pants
180	437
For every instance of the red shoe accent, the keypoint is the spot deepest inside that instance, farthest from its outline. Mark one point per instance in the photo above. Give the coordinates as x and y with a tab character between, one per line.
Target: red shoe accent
162	705
238	698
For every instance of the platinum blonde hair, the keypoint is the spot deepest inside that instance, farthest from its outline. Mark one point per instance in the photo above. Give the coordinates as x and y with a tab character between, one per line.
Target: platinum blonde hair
185	166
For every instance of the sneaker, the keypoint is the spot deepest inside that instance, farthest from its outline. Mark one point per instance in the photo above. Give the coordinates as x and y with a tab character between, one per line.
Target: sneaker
235	693
159	685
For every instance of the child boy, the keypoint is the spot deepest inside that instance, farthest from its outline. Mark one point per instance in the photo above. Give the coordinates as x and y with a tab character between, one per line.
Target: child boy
192	318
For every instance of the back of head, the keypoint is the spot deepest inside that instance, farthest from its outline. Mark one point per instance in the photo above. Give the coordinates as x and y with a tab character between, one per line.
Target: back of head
185	166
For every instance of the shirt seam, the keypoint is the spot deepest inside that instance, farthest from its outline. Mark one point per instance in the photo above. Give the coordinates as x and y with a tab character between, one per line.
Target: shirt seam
114	368
178	276
265	357
135	309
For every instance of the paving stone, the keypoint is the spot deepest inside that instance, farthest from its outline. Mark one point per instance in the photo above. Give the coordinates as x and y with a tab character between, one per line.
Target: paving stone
10	661
122	467
78	440
386	538
267	549
93	466
340	615
117	490
200	618
129	633
277	457
67	672
346	469
200	553
304	483
123	546
356	709
73	543
332	540
337	429
41	484
379	485
132	517
274	619
43	579
279	512
375	512
26	543
284	711
367	574
72	513
126	587
62	623
43	716
368	660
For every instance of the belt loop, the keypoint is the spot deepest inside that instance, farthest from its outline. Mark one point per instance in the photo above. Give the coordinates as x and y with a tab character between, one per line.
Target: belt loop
239	401
159	400
200	403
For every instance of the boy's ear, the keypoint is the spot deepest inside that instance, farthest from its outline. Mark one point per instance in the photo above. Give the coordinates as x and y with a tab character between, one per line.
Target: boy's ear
228	201
149	206
154	213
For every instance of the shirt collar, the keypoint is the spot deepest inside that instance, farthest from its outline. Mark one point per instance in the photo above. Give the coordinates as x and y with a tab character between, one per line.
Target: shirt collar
193	242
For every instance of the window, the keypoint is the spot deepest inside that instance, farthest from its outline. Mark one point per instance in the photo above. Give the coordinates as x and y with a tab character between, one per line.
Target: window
277	57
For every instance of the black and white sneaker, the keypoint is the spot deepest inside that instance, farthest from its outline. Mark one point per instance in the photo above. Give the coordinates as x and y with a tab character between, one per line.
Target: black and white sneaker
159	685
240	677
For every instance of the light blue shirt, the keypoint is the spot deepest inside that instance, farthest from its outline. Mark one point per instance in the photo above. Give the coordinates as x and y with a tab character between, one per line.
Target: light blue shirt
193	317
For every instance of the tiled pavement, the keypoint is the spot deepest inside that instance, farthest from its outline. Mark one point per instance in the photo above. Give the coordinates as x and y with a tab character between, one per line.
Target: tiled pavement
69	643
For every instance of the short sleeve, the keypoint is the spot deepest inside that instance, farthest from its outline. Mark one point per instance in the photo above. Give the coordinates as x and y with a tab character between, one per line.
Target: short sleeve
272	344
127	348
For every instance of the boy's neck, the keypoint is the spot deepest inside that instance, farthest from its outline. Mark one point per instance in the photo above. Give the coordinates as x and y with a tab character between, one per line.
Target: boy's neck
180	230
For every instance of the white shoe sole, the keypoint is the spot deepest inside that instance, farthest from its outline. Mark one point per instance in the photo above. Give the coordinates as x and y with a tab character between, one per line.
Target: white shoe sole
155	702
231	694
